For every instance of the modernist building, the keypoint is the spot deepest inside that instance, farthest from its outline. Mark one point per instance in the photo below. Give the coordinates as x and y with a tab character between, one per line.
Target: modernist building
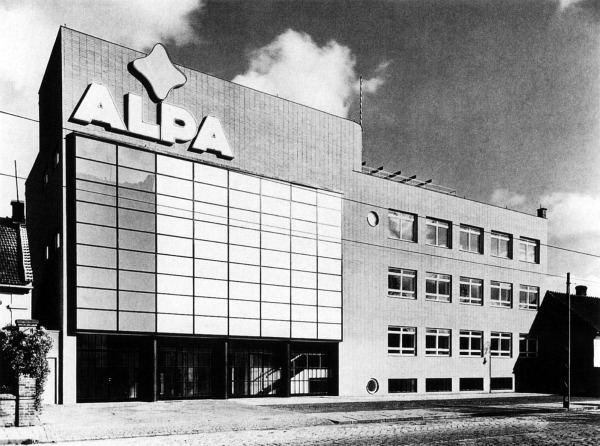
196	238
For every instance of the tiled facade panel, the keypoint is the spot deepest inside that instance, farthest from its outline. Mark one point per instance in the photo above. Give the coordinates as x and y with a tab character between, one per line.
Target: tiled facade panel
170	246
269	136
370	251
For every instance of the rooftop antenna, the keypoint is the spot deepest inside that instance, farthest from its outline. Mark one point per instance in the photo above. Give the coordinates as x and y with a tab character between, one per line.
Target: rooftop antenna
360	96
16	181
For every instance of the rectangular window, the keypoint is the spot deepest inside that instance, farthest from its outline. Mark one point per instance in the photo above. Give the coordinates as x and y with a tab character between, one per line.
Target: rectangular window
438	287
529	297
402	283
528	346
438	233
470	343
402	341
501	294
406	385
500	383
471	291
529	250
471	239
501	344
438	385
437	342
469	384
402	226
501	245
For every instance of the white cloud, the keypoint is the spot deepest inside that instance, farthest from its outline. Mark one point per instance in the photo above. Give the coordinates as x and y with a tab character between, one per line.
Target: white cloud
372	85
28	30
573	224
504	197
295	67
564	4
572	214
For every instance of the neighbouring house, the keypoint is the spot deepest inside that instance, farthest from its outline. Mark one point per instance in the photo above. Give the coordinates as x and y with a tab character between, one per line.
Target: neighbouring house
15	273
542	364
15	267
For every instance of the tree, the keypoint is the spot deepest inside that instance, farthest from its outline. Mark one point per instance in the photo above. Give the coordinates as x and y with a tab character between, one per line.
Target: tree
25	353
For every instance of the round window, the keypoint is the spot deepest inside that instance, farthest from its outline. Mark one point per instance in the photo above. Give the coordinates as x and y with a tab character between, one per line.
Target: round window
373	218
372	386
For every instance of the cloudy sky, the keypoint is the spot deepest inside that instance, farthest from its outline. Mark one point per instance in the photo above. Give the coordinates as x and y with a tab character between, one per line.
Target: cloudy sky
498	99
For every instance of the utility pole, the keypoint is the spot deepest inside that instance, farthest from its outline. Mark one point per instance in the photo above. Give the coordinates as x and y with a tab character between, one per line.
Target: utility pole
567	400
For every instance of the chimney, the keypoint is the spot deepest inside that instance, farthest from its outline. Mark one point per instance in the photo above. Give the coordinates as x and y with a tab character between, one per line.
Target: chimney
18	211
580	290
541	212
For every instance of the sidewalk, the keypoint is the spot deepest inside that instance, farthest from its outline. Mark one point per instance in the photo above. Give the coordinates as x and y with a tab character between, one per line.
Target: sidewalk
137	419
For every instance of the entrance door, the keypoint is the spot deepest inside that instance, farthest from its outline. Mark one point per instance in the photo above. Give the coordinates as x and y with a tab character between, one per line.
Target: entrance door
253	373
185	371
108	368
309	373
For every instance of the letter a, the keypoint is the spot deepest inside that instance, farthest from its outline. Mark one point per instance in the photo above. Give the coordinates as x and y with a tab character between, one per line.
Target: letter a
97	106
211	138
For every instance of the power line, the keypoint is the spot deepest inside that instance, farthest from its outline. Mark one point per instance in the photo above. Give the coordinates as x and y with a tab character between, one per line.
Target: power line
15	115
326	238
573	251
355	241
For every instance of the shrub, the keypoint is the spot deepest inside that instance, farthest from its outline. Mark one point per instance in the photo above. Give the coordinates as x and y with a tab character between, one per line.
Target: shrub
25	353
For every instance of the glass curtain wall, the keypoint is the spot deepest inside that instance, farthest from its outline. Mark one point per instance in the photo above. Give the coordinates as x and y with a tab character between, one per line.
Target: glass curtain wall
166	245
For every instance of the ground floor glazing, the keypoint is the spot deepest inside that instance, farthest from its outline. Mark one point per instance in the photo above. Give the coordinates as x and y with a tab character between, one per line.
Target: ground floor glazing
122	368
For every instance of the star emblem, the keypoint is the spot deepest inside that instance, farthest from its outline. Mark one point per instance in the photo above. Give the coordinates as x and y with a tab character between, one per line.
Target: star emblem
157	73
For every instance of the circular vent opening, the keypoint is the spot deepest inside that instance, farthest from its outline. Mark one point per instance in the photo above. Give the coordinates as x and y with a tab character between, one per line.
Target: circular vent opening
373	218
372	386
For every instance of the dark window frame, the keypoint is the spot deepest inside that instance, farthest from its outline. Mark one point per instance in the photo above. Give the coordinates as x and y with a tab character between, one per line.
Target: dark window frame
470	230
394	214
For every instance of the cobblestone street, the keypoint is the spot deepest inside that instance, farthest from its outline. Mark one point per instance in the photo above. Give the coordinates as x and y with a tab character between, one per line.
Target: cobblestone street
580	428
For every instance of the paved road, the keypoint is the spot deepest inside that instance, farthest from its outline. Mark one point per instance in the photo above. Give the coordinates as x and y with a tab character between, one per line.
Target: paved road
576	428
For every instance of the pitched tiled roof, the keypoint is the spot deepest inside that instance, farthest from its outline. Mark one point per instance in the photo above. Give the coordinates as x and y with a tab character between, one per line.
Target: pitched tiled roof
15	265
586	307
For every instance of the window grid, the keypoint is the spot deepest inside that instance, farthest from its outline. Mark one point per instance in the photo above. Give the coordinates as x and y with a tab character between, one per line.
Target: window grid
438	233
470	239
402	341
501	344
437	342
528	346
438	287
501	245
501	294
146	196
471	291
529	250
529	297
470	343
402	283
402	226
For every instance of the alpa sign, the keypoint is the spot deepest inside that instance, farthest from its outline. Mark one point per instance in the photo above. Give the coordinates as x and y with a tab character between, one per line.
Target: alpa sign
175	124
